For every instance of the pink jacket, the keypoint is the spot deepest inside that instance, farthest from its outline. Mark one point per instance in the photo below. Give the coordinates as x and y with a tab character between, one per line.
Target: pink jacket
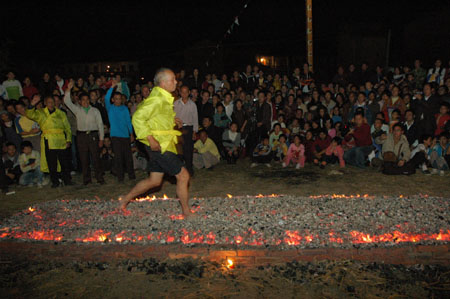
295	151
337	151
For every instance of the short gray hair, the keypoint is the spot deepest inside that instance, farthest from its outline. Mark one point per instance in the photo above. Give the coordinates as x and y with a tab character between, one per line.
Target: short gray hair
160	75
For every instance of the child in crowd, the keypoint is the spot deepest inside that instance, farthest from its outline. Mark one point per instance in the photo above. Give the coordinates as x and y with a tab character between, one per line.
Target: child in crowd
296	153
221	119
107	155
425	148
309	147
275	135
438	155
320	146
231	143
11	164
262	153
280	148
334	153
294	127
441	119
29	162
139	160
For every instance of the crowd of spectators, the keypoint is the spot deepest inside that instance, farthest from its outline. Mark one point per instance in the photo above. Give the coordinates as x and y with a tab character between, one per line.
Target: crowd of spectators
396	120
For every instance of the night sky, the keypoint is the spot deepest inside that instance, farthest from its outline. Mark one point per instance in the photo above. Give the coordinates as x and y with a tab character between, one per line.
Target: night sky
73	31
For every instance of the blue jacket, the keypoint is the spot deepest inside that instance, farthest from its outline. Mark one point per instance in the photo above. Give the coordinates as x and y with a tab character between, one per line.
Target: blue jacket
119	118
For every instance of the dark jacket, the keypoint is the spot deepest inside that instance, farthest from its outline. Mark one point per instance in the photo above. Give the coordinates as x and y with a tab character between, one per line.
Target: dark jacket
412	134
425	111
263	114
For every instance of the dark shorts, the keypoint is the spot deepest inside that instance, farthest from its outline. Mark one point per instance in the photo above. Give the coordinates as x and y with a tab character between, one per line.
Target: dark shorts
168	162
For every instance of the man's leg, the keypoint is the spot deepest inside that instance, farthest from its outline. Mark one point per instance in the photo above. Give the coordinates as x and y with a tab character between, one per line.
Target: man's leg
65	166
188	148
154	180
128	158
95	155
350	156
118	158
83	151
52	163
198	161
183	192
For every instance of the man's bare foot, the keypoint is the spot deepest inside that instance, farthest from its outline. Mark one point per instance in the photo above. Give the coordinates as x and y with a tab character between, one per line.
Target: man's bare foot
190	215
124	204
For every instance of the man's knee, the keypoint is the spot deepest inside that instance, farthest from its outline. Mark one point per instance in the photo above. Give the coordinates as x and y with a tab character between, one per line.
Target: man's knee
183	175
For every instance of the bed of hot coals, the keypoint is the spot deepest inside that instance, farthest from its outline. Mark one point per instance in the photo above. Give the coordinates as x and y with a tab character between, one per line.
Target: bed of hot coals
262	220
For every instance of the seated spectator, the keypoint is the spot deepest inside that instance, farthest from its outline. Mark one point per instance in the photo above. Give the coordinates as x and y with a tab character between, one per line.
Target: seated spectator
8	129
206	154
441	119
334	153
336	115
262	153
309	147
295	154
424	148
360	133
330	129
29	162
295	127
394	119
280	148
396	153
11	164
320	146
139	159
438	155
231	143
275	134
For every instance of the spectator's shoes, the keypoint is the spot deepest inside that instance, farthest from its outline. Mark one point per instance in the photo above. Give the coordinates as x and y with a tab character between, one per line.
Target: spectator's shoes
283	165
441	173
254	165
297	166
434	171
268	165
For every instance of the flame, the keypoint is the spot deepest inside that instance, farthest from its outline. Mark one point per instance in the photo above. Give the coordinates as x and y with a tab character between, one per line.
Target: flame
96	236
229	196
31	209
165	197
229	264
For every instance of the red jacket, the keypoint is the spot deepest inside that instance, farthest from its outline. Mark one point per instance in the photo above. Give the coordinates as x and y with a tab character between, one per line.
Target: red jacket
361	135
320	145
440	123
29	91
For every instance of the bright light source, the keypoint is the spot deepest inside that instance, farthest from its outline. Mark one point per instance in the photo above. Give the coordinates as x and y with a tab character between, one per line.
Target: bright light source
108	66
230	264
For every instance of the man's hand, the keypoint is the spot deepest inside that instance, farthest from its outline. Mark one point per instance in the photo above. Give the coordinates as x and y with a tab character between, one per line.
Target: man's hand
68	144
33	164
195	150
100	143
113	82
178	122
132	139
383	136
154	144
35	100
401	163
70	85
351	131
194	136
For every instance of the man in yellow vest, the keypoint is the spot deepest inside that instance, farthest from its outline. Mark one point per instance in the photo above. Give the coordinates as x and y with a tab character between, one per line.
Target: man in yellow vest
55	138
154	122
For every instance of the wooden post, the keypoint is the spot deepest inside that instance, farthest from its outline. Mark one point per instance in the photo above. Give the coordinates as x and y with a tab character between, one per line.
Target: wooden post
309	34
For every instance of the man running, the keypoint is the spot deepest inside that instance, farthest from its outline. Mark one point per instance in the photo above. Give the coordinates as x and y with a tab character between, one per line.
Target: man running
154	122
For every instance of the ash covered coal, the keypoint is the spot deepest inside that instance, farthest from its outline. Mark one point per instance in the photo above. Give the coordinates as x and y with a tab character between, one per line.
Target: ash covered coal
245	221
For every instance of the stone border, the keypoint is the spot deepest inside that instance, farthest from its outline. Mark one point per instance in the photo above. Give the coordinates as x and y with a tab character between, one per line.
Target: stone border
406	254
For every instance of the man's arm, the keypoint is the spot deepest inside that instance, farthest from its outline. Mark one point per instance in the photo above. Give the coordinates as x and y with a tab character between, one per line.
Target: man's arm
66	126
68	102
195	117
99	121
108	98
32	112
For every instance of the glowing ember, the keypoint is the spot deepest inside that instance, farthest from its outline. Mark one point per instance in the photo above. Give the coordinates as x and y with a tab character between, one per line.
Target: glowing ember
260	220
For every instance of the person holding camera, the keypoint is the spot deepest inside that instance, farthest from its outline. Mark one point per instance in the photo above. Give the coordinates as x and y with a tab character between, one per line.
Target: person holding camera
90	134
360	132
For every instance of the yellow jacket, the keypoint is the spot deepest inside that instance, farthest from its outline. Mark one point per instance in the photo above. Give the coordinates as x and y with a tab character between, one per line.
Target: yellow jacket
155	117
55	129
208	146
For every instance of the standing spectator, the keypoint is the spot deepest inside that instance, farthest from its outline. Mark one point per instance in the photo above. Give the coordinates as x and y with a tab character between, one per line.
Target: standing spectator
194	80
122	87
204	107
12	86
419	73
426	106
28	88
46	86
29	162
263	116
295	154
360	133
121	133
90	134
206	154
60	84
27	128
56	137
436	74
186	110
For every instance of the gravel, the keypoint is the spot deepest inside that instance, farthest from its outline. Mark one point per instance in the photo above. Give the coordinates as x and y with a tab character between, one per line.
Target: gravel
245	221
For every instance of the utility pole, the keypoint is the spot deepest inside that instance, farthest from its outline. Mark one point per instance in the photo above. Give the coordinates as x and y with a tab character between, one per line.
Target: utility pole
309	34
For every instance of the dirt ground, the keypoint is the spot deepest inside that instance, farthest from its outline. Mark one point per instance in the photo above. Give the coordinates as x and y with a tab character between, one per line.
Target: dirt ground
23	279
